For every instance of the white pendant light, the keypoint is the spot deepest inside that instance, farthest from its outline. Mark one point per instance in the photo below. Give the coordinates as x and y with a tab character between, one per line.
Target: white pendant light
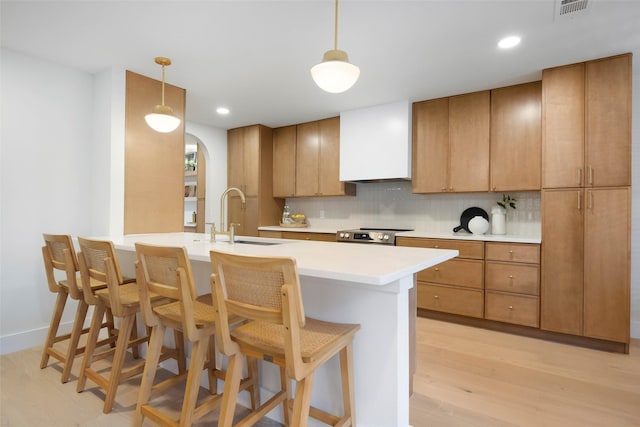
335	74
161	119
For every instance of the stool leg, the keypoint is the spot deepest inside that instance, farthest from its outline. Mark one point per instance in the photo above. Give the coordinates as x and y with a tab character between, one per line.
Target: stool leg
198	353
346	375
78	324
178	339
231	390
92	339
302	401
211	367
61	300
122	344
135	351
285	385
254	389
149	374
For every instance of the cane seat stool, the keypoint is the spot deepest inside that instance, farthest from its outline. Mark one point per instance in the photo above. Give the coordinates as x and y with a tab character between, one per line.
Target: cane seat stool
167	271
60	258
98	262
267	291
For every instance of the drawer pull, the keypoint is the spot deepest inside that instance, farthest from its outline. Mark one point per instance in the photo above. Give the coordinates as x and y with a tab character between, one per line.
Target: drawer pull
511	276
437	269
436	246
436	297
510	307
511	251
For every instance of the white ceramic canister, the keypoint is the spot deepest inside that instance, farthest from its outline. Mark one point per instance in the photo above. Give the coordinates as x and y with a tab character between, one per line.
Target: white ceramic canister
498	220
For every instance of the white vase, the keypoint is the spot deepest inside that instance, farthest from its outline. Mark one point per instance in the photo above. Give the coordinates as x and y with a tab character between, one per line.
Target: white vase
498	220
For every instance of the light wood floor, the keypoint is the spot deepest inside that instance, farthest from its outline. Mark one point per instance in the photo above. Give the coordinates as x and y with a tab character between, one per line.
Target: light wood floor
465	377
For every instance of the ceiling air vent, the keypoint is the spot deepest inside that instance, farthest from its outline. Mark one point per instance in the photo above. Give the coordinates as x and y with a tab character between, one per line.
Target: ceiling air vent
570	8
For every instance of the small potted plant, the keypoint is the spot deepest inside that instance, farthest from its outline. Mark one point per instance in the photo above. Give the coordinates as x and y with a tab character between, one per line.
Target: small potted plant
499	214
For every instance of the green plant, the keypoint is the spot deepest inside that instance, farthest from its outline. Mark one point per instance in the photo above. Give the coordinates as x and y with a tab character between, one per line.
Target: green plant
507	202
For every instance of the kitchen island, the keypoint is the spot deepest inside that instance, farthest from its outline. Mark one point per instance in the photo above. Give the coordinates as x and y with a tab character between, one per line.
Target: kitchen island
367	284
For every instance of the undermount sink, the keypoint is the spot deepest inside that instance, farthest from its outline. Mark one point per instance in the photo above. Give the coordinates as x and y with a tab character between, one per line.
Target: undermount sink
253	242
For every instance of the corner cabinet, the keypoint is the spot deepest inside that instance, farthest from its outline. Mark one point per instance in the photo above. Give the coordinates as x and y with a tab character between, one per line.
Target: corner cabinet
451	144
318	160
250	168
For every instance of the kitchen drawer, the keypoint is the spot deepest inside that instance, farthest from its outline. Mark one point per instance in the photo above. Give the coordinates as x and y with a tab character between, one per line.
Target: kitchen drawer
450	299
512	277
460	272
513	252
466	249
270	233
509	308
323	237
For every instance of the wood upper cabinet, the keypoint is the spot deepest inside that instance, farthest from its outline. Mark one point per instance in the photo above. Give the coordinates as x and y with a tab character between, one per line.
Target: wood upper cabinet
243	157
284	161
587	124
586	262
430	158
451	144
608	130
318	160
516	137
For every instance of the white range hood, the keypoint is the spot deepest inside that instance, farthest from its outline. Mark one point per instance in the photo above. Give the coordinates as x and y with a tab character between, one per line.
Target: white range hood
375	143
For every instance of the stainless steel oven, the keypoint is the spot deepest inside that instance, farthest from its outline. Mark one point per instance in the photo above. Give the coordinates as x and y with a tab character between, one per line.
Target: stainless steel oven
383	236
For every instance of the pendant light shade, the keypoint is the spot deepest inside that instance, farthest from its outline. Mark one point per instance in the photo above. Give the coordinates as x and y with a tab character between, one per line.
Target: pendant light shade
335	74
161	119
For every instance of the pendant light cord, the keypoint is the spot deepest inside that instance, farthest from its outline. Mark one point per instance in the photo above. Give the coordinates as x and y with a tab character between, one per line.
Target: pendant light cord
163	85
335	34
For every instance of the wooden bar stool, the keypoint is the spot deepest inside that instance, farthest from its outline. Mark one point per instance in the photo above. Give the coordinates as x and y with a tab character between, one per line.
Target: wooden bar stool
267	290
98	262
166	271
60	255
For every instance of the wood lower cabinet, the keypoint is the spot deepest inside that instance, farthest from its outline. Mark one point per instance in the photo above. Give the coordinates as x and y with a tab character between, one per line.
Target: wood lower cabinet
299	235
586	124
318	160
455	286
586	262
516	137
451	144
450	299
512	283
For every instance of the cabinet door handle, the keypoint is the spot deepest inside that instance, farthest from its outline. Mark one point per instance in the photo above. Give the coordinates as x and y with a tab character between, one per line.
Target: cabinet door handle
590	175
510	307
437	269
436	297
590	201
511	276
579	176
579	200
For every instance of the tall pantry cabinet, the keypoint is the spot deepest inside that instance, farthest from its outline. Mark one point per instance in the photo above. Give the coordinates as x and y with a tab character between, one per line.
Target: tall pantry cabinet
250	168
586	199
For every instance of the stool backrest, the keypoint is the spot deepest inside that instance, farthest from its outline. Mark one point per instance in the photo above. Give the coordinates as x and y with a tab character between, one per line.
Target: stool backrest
59	254
166	271
254	287
99	264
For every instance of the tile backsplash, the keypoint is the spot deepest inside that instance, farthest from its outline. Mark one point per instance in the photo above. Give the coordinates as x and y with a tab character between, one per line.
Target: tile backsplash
393	205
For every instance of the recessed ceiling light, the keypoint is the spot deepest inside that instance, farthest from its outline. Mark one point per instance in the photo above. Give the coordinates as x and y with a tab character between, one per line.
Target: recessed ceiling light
508	42
222	110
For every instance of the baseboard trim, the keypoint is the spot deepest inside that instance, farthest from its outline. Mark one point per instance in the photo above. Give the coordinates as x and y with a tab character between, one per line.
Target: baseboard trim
635	329
28	339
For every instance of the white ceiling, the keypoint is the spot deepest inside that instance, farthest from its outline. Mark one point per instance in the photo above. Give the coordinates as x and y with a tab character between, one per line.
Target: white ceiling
254	56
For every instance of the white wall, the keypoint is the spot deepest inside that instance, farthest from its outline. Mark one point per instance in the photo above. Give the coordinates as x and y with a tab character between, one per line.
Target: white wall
45	183
61	171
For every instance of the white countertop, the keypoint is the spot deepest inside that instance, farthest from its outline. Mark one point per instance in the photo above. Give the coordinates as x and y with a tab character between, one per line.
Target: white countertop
462	235
366	264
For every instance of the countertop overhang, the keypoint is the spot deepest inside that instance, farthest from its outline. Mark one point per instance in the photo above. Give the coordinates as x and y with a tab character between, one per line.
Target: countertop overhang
376	265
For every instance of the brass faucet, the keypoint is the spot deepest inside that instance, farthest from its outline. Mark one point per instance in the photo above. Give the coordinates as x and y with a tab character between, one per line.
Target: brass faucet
230	231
